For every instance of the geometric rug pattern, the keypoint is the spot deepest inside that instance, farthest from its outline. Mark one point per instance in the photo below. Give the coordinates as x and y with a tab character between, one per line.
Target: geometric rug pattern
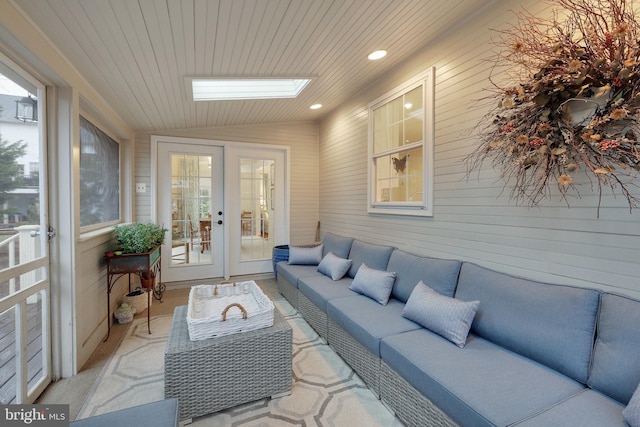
325	390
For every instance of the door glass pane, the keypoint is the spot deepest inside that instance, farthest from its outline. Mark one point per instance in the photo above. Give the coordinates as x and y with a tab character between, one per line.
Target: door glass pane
257	208
191	181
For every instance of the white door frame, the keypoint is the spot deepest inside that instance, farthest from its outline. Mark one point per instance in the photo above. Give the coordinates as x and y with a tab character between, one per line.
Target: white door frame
238	266
213	262
229	147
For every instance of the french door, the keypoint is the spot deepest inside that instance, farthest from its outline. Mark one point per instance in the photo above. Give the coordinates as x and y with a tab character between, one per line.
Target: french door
25	342
191	205
257	213
225	205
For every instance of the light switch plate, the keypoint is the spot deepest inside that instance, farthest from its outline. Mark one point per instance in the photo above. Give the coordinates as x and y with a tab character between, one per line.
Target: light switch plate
141	187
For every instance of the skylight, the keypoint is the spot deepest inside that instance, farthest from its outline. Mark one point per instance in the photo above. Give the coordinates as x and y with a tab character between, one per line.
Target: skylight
219	89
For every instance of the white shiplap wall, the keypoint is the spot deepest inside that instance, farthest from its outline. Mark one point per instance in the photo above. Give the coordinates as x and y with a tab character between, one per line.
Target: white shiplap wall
302	137
474	219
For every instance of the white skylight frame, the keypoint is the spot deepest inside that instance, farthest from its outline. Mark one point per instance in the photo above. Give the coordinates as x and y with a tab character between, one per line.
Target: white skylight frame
239	88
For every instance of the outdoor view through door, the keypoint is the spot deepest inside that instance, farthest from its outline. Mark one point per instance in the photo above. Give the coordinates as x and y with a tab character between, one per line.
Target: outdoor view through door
25	343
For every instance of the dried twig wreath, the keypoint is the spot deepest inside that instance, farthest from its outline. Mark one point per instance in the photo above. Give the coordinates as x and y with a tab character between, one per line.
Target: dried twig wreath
578	111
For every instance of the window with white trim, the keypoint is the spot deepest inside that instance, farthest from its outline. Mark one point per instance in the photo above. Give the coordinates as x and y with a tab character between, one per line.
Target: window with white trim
401	128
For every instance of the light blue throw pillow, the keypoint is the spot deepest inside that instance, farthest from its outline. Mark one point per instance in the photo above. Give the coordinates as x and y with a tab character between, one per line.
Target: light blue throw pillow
376	284
632	411
305	256
334	266
448	317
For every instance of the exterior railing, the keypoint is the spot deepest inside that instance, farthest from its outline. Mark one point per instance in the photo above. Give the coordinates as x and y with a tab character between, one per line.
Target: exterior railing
20	248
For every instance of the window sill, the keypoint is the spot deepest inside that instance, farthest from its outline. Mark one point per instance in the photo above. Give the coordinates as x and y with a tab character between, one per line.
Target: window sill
400	210
93	234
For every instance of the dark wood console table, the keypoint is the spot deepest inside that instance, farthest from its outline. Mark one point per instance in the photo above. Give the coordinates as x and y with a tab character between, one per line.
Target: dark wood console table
139	264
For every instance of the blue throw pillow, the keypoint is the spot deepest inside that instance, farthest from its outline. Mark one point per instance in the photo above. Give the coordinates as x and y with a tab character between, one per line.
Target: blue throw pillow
305	256
376	284
632	411
448	317
334	266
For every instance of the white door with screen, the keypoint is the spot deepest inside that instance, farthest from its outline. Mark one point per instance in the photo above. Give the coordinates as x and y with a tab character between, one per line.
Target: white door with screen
190	205
25	291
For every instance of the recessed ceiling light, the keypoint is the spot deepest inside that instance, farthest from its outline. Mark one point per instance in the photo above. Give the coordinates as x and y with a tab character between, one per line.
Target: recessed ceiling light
377	55
219	89
316	106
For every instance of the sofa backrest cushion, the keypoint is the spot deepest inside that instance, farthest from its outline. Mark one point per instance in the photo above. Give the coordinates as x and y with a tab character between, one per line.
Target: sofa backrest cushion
615	370
441	275
339	245
552	324
375	256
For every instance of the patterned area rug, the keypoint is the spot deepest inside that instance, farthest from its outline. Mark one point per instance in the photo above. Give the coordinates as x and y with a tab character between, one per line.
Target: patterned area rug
325	391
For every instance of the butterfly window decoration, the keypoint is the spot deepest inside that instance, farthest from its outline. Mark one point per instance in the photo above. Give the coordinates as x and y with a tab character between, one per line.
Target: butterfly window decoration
399	164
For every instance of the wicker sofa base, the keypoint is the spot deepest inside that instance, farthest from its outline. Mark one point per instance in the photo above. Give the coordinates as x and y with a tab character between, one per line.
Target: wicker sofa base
363	362
313	315
409	405
288	290
211	375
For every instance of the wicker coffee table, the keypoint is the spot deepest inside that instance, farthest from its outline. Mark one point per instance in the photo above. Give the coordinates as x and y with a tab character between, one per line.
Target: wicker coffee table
218	373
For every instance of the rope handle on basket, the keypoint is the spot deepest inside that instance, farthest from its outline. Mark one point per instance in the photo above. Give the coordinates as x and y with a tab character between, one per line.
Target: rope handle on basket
235	304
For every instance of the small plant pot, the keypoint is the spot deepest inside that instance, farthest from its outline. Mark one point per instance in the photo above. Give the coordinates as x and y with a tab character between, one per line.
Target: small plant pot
148	280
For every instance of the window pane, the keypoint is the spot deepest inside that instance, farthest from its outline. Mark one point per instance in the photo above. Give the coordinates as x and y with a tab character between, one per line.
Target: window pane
99	176
256	202
414	175
380	129
190	209
399	190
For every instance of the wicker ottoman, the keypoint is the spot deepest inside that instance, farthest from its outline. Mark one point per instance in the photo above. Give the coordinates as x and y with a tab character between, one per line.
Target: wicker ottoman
214	374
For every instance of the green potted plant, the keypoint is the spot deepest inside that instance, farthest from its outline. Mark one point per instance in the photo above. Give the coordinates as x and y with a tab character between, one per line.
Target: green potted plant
138	247
139	237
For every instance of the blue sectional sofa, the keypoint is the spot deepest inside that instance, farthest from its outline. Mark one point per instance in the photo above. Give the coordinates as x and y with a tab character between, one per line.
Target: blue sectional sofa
537	354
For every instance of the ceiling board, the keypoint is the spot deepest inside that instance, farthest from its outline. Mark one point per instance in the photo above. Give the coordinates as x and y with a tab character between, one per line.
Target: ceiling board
137	54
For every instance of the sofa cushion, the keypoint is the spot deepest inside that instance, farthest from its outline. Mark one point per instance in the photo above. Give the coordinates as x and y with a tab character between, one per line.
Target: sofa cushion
163	413
305	255
376	256
632	411
375	284
333	266
367	321
293	272
339	245
616	359
552	324
586	409
481	384
440	274
320	289
448	317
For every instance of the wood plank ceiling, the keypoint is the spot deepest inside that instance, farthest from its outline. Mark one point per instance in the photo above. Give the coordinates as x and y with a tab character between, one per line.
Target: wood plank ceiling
139	53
